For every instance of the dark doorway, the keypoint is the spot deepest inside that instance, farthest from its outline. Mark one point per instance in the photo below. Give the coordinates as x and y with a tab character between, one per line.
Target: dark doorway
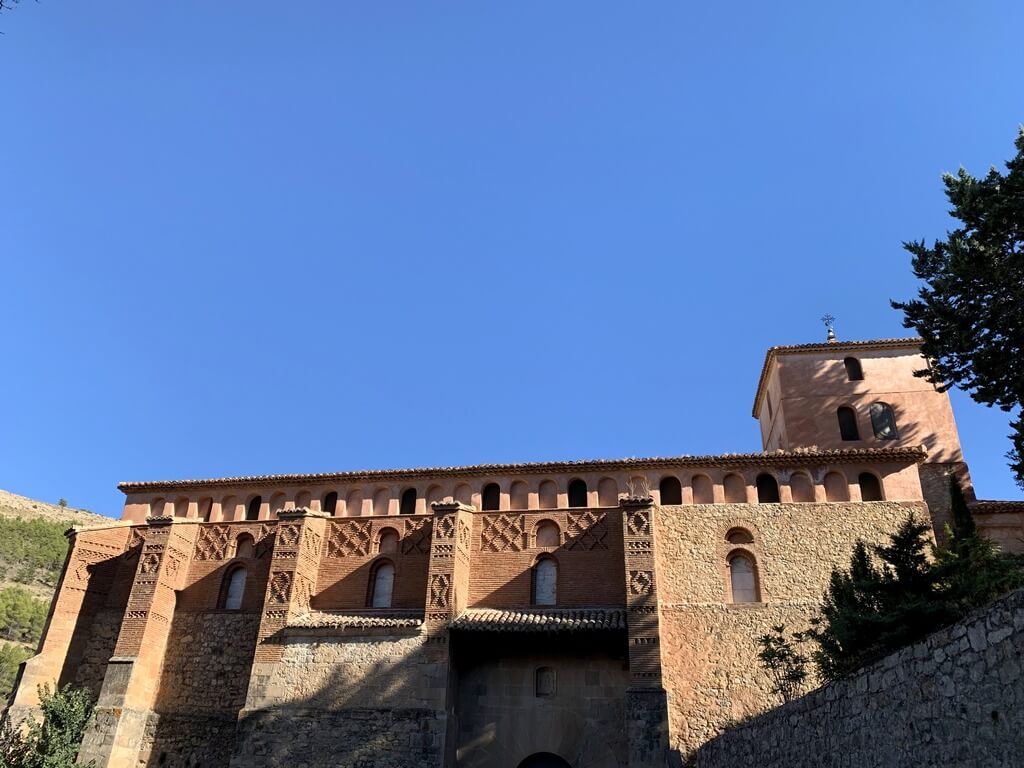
544	760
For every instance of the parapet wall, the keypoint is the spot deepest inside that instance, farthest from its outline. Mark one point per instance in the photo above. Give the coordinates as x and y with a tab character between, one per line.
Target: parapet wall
955	698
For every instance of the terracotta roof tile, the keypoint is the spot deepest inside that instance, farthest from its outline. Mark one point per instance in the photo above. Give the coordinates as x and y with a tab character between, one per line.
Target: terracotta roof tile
773	458
989	507
350	620
541	620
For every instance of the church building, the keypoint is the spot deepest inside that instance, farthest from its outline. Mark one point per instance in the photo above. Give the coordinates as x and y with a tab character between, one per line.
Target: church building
592	614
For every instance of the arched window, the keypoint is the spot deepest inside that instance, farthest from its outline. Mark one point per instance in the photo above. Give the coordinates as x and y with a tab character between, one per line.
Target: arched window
836	487
276	503
767	489
252	512
205	508
800	487
382	584
387	541
545	581
519	495
381	501
870	487
608	492
354	504
847	423
233	589
463	493
434	493
577	493
544	682
330	503
547	534
742	579
181	507
244	545
703	491
735	489
853	369
407	504
491	497
547	495
883	421
303	499
228	508
739	536
671	490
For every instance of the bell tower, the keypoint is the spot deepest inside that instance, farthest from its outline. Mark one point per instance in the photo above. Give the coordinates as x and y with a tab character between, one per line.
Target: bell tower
861	394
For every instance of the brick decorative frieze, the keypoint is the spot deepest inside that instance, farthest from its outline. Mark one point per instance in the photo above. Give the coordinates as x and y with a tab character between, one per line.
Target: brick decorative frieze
294	566
440	590
586	531
212	543
349	538
641	591
416	540
448	576
503	533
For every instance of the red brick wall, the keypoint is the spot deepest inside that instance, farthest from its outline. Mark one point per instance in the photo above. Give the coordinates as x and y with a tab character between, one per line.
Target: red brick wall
590	559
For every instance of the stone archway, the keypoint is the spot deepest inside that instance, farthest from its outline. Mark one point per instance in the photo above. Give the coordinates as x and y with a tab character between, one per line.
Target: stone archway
544	760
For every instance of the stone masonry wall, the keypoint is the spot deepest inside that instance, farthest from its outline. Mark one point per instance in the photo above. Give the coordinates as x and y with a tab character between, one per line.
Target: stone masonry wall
375	692
708	645
203	684
955	698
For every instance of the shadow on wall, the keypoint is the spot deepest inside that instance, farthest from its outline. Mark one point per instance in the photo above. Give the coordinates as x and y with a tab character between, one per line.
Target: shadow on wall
831	377
532	694
98	621
364	698
206	666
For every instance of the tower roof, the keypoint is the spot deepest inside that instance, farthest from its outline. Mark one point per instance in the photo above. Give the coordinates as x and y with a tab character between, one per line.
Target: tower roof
831	347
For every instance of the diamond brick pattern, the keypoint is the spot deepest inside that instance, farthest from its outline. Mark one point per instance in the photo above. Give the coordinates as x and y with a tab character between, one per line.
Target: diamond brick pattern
349	539
503	533
586	531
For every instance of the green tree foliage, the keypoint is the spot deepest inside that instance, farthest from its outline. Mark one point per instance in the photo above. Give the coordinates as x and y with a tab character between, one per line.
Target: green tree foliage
895	594
32	549
11	656
970	568
54	742
785	665
870	611
21	616
970	310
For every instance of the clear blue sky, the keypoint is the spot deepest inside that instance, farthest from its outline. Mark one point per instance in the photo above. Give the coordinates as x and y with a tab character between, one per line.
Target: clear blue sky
242	238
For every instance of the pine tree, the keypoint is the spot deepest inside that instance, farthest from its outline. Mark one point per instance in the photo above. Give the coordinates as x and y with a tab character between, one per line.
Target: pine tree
871	611
969	567
970	311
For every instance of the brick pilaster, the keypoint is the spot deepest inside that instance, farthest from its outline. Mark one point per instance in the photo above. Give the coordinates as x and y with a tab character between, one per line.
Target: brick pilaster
447	592
91	564
133	673
295	562
646	703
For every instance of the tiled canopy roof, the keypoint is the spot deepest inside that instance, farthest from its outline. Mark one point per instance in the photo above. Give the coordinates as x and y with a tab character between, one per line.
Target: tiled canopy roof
541	620
986	507
775	458
332	620
826	346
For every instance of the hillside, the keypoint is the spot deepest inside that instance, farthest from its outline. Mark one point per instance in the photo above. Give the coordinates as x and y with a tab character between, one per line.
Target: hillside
32	551
32	543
